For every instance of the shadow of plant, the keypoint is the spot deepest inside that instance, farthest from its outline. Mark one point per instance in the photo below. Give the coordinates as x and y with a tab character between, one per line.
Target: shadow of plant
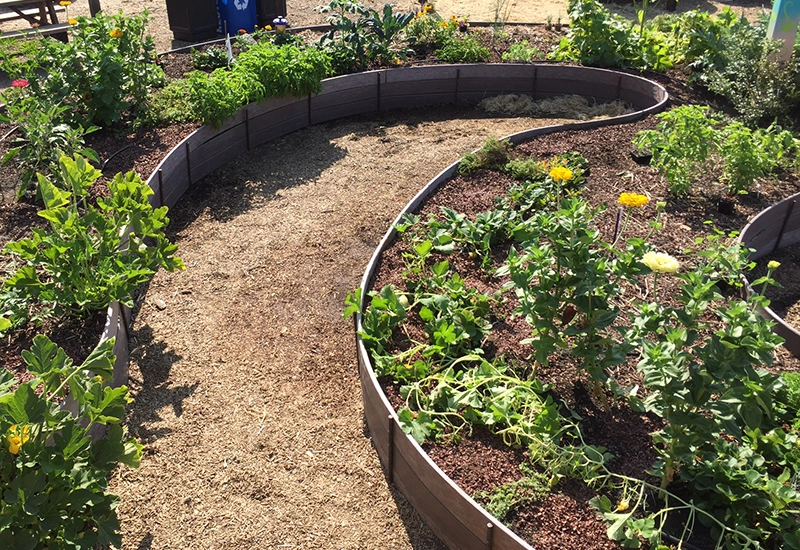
153	391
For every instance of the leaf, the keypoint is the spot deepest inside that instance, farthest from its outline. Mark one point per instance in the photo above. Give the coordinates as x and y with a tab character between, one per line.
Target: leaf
101	360
45	357
111	409
24	406
418	428
5	324
440	268
52	196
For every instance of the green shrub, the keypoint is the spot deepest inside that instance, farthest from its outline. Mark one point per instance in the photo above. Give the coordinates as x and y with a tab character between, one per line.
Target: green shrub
746	71
361	36
265	70
107	68
681	144
522	52
42	137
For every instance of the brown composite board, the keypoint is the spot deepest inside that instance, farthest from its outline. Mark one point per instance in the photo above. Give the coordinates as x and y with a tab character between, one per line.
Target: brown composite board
461	506
436	513
215	152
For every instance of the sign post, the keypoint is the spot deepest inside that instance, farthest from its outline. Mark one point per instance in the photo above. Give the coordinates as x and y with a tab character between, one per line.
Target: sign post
783	25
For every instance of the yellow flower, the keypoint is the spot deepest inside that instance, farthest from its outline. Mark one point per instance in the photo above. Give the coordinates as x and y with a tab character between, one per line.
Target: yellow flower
17	438
116	33
623	505
72	21
660	262
773	265
633	200
268	28
65	3
561	173
443	24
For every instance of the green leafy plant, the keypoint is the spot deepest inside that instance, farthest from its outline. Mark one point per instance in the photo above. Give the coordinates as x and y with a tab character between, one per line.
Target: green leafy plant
213	57
522	52
106	69
751	154
361	36
264	70
54	476
91	255
745	70
463	49
681	144
42	136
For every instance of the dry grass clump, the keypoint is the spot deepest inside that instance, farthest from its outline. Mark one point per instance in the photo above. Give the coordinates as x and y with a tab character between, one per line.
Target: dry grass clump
567	106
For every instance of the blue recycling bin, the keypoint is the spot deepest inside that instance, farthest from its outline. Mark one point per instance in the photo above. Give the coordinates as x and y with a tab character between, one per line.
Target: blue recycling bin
235	15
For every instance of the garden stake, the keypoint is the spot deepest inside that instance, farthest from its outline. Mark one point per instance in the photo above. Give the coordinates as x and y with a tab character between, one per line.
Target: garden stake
390	456
783	225
489	536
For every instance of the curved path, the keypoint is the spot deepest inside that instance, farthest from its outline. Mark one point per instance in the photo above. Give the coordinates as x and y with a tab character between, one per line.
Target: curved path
243	371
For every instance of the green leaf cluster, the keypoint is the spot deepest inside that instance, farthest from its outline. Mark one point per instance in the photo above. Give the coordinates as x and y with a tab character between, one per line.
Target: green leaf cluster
105	70
362	36
264	70
691	140
91	255
54	476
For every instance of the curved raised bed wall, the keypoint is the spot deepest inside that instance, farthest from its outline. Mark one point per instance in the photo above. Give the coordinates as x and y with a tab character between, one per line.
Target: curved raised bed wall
451	513
776	227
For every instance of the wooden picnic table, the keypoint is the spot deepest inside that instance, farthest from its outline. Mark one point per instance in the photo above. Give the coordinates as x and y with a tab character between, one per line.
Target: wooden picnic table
47	11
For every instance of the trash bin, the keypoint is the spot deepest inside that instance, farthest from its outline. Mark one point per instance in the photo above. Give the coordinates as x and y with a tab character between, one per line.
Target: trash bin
269	10
192	20
237	14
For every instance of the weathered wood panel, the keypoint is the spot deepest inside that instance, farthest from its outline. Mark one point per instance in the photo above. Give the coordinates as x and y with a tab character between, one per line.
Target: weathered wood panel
600	85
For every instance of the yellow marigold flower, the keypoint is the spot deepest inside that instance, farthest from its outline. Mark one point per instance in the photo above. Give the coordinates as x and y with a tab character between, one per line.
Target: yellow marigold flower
72	21
65	3
633	200
773	265
660	262
116	33
561	173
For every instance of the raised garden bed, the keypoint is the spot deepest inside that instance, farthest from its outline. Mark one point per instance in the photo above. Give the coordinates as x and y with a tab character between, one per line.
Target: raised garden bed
455	517
775	228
